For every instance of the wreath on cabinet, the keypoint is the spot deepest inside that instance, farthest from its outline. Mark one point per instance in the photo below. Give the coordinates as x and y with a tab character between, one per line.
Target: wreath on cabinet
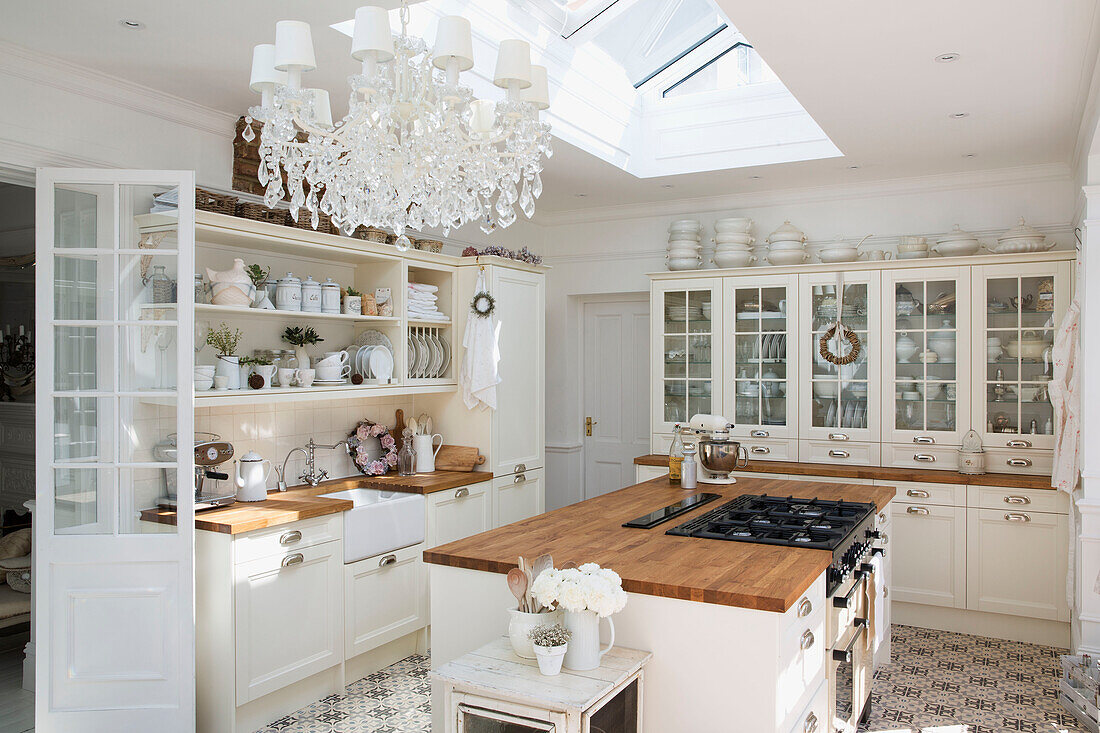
846	334
483	304
361	453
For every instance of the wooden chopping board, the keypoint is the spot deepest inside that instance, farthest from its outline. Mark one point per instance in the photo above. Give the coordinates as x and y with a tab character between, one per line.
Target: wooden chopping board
458	458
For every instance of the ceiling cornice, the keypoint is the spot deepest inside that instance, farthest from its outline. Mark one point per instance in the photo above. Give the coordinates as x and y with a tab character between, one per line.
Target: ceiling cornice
24	63
1088	96
817	194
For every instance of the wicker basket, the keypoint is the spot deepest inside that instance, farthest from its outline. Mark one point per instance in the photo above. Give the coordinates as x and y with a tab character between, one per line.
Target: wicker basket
428	245
370	234
219	203
260	212
305	219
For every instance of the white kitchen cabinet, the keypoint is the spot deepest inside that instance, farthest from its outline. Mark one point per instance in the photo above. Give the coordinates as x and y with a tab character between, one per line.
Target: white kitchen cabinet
927	554
457	513
518	496
1016	562
386	597
288	618
686	329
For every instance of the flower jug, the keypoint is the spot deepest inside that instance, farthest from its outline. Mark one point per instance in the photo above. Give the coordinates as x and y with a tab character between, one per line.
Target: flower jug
584	646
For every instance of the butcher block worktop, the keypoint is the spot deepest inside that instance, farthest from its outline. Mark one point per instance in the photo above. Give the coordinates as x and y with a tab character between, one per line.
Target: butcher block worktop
763	577
878	473
305	502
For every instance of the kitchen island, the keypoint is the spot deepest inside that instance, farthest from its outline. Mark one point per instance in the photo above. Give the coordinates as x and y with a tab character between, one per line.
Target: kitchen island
738	630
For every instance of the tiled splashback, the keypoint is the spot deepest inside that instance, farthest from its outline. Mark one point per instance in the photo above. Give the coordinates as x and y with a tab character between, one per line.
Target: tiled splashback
273	430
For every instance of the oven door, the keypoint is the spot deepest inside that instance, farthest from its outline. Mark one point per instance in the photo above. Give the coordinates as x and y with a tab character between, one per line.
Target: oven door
849	661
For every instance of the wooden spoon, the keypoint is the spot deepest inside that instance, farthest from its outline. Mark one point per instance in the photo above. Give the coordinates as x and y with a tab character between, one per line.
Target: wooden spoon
541	564
569	565
517	583
411	425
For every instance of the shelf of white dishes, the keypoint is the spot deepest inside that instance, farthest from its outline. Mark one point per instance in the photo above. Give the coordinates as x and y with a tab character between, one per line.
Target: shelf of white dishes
429	323
316	393
232	310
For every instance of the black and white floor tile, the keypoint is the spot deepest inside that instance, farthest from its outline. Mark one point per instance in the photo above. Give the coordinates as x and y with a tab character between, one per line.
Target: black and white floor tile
937	681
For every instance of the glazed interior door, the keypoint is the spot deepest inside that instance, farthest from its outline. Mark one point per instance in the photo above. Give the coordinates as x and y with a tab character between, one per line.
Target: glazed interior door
114	595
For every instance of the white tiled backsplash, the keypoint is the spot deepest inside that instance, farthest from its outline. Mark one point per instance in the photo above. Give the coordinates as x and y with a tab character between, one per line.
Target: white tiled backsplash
273	430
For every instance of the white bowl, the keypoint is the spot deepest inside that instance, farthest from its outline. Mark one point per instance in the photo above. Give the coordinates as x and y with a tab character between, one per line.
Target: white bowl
838	254
733	259
790	245
786	257
723	237
684	263
956	247
202	383
685	225
732	248
683	254
741	224
233	294
206	371
1019	245
913	240
912	247
912	255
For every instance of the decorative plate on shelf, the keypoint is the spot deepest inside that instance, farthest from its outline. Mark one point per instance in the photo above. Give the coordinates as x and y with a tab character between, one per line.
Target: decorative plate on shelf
373	337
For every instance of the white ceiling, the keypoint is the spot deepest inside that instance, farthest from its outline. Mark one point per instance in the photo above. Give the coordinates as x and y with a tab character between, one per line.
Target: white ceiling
863	69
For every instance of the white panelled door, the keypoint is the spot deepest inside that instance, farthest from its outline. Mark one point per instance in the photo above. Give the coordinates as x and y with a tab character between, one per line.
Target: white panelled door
616	373
114	595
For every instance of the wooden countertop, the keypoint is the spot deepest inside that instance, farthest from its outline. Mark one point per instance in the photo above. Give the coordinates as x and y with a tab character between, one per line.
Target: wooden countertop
764	577
305	502
881	473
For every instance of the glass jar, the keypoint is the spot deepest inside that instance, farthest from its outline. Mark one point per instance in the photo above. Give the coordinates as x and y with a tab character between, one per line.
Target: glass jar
162	286
202	295
406	457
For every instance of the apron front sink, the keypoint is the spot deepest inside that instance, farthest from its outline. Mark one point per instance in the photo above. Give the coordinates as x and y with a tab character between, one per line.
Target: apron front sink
380	522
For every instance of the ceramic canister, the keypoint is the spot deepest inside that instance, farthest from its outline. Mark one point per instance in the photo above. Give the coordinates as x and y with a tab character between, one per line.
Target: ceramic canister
288	293
311	295
330	296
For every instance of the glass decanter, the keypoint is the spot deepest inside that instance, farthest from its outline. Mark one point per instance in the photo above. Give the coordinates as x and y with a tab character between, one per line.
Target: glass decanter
406	457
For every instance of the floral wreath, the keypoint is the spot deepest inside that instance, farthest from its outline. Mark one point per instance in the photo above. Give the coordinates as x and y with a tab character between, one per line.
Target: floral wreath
483	304
847	334
363	432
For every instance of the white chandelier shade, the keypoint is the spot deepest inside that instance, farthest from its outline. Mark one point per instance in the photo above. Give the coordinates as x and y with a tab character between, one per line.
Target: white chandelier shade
416	149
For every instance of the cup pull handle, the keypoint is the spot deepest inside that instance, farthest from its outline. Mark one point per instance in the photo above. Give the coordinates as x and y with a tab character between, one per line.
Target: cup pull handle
520	478
810	726
924	440
759	433
1017	517
462	493
839	454
924	457
918	494
1017	500
838	436
1019	462
761	450
1019	444
296	559
289	538
387	560
916	510
804	608
807	640
882	517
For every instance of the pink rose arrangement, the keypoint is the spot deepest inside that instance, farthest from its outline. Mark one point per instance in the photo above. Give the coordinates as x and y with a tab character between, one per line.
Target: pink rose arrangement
365	431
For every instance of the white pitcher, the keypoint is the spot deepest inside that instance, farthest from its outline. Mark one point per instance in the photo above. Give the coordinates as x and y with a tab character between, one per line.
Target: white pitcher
425	456
584	646
251	479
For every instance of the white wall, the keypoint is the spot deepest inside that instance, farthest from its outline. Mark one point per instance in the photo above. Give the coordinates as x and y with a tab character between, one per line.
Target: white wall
611	252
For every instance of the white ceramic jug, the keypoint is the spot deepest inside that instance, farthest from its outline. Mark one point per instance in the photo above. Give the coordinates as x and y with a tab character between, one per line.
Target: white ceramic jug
251	478
584	646
425	455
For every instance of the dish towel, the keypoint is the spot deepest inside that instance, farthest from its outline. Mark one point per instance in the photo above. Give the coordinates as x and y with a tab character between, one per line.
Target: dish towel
478	377
1065	396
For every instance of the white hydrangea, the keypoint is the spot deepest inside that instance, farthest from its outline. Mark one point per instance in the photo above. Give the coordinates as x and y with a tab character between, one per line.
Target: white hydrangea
588	587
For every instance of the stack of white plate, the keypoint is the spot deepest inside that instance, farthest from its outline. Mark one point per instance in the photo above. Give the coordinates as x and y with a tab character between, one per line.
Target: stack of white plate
912	248
786	246
684	245
733	242
683	312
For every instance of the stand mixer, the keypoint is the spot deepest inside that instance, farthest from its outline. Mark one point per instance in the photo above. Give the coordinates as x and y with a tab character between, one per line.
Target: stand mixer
718	455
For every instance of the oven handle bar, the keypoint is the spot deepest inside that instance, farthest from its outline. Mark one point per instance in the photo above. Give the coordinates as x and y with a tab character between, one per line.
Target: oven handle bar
845	654
843	601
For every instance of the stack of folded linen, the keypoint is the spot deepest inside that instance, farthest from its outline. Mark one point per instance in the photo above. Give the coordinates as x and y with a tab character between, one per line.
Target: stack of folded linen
422	303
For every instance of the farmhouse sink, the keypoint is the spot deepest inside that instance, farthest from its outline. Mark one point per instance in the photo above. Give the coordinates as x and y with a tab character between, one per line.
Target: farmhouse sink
380	521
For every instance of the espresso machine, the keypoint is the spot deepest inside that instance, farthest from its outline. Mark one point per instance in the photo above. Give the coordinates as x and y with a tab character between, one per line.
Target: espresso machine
718	455
210	452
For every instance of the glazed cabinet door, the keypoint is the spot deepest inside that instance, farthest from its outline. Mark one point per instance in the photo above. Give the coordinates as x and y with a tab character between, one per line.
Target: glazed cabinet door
759	361
926	358
928	554
686	318
1017	308
839	403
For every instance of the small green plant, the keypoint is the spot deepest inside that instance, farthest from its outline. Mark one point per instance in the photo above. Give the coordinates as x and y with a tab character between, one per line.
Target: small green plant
256	360
257	275
297	336
547	635
224	339
352	292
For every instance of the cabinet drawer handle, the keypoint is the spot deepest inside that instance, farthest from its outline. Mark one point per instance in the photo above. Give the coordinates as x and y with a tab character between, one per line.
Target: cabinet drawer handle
810	726
882	517
924	439
387	560
1020	462
924	457
916	510
520	478
289	538
520	468
1017	517
296	559
1019	444
461	493
804	608
759	433
1017	500
834	453
760	450
807	640
884	539
838	436
918	494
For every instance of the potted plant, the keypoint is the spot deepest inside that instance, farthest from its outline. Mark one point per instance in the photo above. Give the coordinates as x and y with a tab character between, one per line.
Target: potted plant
299	338
353	302
258	276
256	365
225	341
550	644
585	594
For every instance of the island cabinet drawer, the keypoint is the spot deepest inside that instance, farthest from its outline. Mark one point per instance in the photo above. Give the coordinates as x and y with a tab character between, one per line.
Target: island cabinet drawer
801	664
938	494
1019	460
287	538
910	455
843	453
814	717
1032	500
770	449
808	605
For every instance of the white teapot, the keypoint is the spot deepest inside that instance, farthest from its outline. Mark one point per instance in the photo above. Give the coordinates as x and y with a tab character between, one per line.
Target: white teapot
251	477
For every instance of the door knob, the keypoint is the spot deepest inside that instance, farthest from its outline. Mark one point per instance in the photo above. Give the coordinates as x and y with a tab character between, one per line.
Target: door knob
588	423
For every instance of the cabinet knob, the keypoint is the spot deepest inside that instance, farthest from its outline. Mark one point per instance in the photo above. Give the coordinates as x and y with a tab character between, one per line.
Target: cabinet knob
289	538
807	640
1017	517
916	510
924	439
834	453
918	494
296	559
1019	444
462	493
520	478
387	560
804	608
760	450
1017	500
1019	462
924	457
838	436
759	433
810	726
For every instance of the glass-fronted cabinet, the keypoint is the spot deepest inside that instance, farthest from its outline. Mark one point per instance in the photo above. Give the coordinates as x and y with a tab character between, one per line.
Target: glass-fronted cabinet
926	359
686	317
759	373
839	402
1020	308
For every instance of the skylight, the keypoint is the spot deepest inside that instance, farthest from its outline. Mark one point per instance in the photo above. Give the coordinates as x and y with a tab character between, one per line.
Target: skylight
737	66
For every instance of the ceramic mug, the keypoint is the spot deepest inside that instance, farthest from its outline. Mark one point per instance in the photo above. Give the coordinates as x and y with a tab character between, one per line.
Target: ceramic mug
287	376
425	455
332	373
221	382
267	371
877	255
334	358
306	376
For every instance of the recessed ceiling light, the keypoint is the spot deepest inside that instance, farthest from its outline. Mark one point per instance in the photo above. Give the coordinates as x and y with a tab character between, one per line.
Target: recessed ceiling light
946	58
958	115
755	178
853	167
666	185
580	195
971	155
130	24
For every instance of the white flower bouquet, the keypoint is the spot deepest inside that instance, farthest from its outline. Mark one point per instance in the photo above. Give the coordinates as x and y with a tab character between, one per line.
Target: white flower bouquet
588	587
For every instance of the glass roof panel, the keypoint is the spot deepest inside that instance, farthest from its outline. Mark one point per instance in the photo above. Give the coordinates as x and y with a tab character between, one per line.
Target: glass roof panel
737	66
579	12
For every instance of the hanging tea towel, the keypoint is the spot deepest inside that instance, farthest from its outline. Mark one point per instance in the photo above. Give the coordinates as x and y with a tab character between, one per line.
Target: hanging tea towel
478	377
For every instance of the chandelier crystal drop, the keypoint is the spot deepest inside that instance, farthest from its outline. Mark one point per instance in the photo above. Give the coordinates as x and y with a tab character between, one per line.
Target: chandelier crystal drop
416	149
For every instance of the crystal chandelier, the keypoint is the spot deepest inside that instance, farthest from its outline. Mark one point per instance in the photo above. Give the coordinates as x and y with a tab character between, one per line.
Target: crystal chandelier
416	148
